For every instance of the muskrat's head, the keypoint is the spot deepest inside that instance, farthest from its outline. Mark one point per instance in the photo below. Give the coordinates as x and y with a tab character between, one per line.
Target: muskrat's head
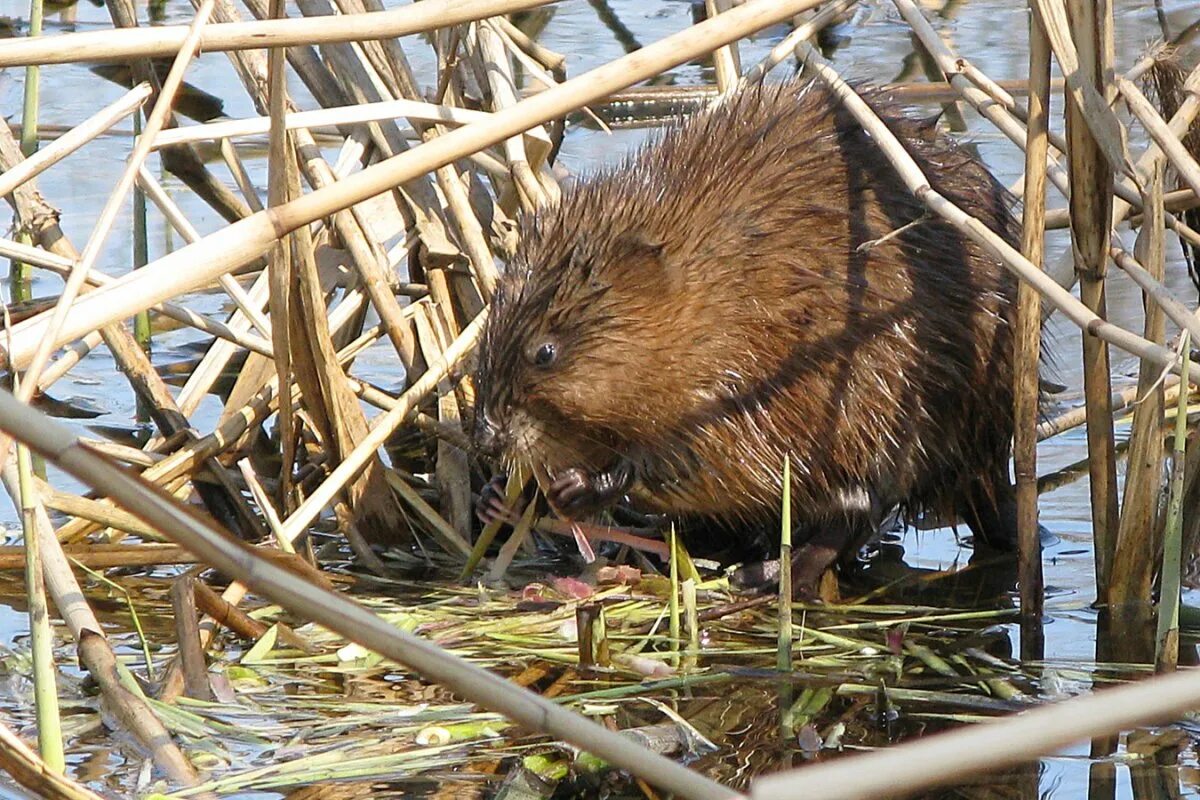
579	367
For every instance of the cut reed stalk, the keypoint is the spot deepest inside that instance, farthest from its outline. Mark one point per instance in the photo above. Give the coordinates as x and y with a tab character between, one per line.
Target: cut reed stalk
1138	534
1167	638
87	131
45	682
167	40
1091	214
1027	344
726	62
27	769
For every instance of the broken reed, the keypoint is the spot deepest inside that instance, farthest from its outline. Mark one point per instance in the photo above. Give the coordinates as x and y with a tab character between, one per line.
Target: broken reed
433	335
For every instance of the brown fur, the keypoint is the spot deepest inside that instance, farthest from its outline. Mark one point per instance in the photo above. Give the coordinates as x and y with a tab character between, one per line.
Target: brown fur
713	308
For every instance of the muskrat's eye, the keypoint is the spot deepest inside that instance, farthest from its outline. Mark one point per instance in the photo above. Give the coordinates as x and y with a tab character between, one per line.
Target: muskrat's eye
545	354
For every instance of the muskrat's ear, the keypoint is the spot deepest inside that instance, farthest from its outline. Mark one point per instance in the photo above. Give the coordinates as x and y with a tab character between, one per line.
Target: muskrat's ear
638	243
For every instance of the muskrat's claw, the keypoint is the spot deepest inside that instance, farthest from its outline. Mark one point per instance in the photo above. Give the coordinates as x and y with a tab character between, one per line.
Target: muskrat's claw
572	491
492	506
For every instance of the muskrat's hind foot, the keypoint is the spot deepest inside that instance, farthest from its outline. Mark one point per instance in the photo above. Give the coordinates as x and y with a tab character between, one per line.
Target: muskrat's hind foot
577	491
809	562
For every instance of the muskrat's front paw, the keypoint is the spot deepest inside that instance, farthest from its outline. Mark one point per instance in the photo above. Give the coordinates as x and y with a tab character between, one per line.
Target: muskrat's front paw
573	490
492	506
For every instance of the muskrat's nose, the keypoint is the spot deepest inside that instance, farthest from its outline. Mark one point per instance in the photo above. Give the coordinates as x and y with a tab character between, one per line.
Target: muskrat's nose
487	435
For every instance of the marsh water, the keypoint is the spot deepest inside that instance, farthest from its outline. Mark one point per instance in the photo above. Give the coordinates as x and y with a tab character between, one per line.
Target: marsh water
874	46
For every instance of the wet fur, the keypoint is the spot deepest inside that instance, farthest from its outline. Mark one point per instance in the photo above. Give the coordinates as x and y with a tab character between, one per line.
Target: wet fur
714	309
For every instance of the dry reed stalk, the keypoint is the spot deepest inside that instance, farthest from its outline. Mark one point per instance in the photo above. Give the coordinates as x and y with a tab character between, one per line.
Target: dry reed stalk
382	428
166	40
451	468
344	616
130	357
241	175
801	33
1091	214
181	314
1027	344
26	767
953	67
281	264
175	216
130	710
105	556
726	62
1158	129
1139	534
502	88
1074	57
1122	401
83	133
187	635
322	118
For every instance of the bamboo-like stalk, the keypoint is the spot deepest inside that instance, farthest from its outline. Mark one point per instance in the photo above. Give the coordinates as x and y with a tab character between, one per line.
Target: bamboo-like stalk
27	769
66	144
338	613
801	33
1138	544
19	279
1158	129
726	62
45	683
104	556
322	118
1027	345
1091	213
167	40
1167	637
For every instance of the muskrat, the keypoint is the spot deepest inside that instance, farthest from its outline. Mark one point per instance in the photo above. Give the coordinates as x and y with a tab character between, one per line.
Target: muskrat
754	283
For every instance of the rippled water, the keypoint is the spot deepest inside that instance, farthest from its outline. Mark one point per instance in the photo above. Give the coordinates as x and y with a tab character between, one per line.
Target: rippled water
875	46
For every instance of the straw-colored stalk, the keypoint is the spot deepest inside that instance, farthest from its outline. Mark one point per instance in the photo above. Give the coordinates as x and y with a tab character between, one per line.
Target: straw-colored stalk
45	683
1167	638
1091	213
783	652
83	133
1138	543
801	33
726	62
105	556
27	769
19	278
341	614
167	40
1172	146
1027	344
